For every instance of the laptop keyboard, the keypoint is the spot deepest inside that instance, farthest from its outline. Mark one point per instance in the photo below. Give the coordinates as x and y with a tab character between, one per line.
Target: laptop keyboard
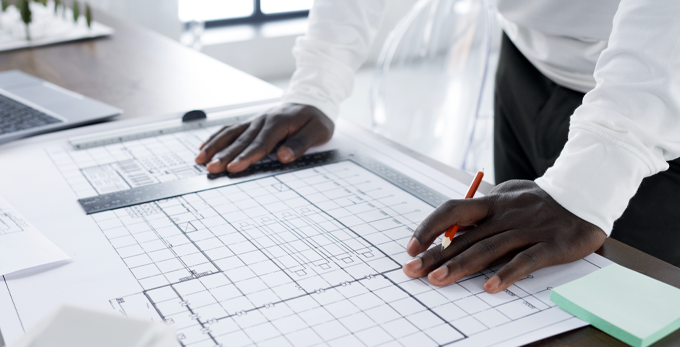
15	116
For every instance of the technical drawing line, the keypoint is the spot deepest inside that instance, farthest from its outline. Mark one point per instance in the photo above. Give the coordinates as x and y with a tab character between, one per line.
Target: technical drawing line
192	313
296	253
270	259
395	284
190	240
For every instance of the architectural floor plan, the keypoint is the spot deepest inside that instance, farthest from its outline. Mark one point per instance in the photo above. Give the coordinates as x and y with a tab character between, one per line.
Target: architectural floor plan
131	164
311	257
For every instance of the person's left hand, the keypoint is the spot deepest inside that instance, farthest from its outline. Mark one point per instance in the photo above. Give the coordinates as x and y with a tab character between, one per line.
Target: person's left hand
517	220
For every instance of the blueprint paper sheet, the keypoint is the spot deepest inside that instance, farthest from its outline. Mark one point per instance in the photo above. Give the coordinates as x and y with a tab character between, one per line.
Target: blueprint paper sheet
22	246
131	164
305	258
297	259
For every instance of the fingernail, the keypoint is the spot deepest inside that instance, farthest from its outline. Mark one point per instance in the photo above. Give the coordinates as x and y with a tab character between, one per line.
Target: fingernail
492	284
413	246
414	265
213	166
286	154
233	164
441	273
200	158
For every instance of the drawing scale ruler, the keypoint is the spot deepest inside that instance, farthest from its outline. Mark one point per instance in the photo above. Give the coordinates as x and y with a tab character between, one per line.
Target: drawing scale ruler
191	121
144	194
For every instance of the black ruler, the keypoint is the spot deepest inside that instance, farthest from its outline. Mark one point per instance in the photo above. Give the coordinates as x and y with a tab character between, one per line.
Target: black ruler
140	195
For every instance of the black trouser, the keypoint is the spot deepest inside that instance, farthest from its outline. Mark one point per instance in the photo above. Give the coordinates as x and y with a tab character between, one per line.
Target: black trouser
531	125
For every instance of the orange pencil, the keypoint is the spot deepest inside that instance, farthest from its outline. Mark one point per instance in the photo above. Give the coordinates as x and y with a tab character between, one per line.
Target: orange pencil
451	232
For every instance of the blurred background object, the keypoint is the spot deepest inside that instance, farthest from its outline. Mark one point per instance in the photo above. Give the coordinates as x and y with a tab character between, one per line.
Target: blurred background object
70	326
430	80
33	23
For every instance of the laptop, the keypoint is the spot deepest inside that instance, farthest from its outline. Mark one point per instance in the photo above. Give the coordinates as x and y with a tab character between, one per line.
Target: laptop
30	106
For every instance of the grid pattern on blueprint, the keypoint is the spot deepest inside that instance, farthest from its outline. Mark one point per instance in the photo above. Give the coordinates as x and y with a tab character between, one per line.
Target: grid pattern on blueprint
110	168
306	258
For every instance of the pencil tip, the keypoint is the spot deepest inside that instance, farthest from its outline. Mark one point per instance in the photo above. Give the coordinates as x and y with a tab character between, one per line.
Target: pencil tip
445	242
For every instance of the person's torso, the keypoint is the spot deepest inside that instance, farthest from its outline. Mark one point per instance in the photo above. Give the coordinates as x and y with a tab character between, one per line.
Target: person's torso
563	39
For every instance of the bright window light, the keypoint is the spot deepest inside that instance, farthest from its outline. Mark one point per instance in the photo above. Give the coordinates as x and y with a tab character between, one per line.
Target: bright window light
282	6
206	10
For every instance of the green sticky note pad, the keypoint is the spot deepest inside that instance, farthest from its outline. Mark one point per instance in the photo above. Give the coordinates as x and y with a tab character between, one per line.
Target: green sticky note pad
632	307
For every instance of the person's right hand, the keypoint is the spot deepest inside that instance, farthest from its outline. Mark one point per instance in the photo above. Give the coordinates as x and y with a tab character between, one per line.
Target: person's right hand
237	146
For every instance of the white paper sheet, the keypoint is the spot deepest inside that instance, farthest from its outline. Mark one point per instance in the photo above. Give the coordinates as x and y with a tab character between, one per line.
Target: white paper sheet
305	258
22	246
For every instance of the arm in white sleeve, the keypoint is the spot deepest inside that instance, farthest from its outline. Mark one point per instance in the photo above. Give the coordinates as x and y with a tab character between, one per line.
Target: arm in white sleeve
628	127
337	42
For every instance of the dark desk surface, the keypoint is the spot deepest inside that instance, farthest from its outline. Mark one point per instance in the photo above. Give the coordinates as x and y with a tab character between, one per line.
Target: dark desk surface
147	74
139	71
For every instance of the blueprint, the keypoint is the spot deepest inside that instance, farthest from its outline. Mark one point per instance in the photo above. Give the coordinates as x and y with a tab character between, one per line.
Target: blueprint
130	164
308	258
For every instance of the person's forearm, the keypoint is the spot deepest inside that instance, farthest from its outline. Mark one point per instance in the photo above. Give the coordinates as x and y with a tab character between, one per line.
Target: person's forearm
628	126
337	42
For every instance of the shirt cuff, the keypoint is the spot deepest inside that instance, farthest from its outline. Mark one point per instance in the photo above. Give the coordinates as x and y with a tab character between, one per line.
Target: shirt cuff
330	109
594	178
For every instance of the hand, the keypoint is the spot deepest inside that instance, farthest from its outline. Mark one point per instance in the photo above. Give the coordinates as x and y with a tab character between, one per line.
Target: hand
235	147
518	221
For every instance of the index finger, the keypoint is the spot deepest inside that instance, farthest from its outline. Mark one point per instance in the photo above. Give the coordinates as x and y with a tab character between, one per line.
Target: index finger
213	135
465	212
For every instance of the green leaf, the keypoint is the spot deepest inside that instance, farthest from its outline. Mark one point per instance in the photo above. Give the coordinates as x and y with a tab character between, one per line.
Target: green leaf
43	2
5	5
25	10
88	14
24	7
76	11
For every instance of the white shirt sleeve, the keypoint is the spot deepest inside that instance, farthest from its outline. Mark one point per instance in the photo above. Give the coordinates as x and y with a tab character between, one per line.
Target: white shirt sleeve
337	42
628	127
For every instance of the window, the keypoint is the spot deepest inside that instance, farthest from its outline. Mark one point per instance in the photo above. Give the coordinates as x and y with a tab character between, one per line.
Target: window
224	12
209	10
279	6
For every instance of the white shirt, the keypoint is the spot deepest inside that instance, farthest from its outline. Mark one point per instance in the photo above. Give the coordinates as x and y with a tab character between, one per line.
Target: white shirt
562	39
624	54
